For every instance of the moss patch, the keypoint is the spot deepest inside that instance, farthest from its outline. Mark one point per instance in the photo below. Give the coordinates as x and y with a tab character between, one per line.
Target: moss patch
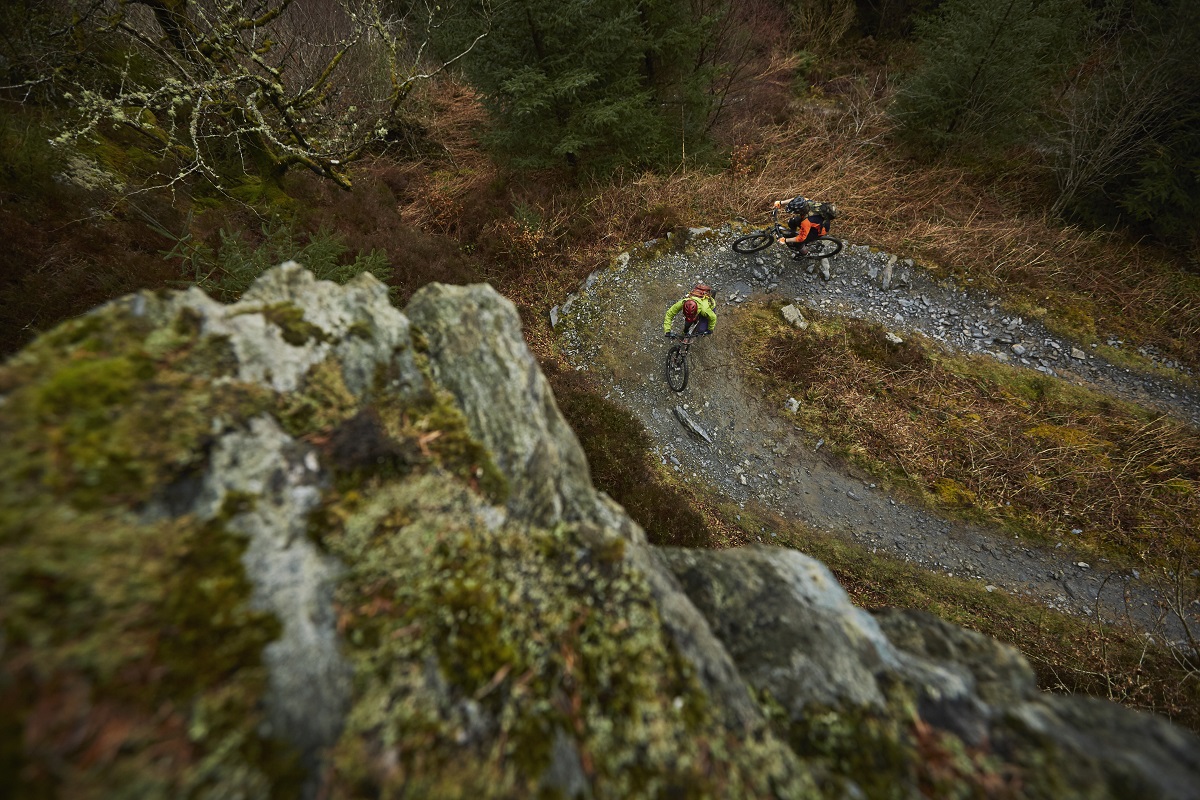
490	645
105	691
98	419
106	615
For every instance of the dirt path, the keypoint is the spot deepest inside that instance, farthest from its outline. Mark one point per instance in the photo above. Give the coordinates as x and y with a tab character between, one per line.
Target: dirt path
754	453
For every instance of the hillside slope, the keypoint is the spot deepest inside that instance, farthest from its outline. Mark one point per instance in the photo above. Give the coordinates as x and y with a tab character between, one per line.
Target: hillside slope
754	452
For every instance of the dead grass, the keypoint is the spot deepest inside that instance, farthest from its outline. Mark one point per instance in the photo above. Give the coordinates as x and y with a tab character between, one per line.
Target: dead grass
1013	447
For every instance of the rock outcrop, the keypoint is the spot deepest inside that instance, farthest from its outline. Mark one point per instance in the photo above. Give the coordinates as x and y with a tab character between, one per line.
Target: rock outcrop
306	545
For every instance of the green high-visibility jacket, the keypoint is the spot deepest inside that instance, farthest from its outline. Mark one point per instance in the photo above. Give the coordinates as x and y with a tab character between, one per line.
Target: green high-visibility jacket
705	305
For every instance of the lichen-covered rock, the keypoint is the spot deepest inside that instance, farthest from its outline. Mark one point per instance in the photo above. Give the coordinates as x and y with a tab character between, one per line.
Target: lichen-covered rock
259	549
1118	751
475	350
906	695
299	546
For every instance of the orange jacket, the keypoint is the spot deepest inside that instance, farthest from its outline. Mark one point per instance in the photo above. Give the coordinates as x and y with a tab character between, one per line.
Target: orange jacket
806	226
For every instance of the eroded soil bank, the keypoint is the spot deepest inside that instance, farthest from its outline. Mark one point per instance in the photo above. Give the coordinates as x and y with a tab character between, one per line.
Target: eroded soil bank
751	452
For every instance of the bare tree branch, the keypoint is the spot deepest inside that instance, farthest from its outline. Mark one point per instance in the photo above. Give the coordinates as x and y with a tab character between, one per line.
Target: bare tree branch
282	82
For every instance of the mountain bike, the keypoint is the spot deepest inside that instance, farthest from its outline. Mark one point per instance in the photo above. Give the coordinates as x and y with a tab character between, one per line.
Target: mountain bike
820	247
677	366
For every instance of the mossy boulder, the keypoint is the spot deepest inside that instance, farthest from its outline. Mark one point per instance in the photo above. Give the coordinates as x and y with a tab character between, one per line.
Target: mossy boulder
904	704
307	545
291	547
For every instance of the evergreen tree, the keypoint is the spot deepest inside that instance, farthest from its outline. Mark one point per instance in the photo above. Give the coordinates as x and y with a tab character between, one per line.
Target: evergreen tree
987	67
1126	132
592	82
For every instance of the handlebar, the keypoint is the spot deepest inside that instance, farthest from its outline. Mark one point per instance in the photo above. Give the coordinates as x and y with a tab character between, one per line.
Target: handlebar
673	335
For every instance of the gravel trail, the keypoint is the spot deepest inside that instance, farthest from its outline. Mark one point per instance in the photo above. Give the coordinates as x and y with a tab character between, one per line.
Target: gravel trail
746	451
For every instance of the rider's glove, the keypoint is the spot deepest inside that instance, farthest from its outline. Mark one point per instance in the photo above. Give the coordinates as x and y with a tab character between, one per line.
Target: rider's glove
782	240
777	204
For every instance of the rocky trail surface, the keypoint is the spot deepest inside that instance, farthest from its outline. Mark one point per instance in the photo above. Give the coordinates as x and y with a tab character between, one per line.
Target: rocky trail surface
720	433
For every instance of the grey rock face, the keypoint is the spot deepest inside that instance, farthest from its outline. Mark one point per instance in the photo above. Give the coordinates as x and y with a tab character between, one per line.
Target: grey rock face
476	351
309	680
793	632
1001	675
788	624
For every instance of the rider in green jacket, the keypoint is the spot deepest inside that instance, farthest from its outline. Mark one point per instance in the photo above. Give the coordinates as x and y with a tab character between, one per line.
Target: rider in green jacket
698	312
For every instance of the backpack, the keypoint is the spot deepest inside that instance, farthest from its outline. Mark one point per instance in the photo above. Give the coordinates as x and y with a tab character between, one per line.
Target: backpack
828	211
701	290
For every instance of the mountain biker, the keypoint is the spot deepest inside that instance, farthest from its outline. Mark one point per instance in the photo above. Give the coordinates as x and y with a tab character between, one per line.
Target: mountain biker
698	312
810	219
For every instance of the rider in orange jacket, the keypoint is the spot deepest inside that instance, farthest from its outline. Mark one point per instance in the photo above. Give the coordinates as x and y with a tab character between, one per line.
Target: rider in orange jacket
810	219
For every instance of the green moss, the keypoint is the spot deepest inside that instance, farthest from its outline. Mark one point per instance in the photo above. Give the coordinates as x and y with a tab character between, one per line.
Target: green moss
289	318
456	449
90	388
104	621
96	428
870	750
321	402
259	191
538	633
952	493
360	329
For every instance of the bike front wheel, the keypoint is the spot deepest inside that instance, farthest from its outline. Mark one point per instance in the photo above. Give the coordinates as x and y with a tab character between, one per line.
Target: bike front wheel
677	369
753	242
821	247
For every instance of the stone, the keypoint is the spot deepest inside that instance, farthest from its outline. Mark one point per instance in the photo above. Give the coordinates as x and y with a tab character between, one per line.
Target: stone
886	281
476	351
691	425
793	317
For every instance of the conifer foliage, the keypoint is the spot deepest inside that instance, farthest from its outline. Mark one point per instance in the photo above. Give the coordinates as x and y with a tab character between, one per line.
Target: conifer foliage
595	83
987	67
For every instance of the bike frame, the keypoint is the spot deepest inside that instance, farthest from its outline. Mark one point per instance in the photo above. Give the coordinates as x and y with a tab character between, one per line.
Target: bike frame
826	245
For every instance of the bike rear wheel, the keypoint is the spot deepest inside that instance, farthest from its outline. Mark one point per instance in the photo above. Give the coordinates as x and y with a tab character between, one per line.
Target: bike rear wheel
821	247
752	243
677	369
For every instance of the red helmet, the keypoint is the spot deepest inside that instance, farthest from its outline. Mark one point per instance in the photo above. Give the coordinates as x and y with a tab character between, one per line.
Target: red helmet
691	310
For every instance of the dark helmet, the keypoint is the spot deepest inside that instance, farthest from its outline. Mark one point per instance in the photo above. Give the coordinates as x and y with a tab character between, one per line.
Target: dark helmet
691	310
796	205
